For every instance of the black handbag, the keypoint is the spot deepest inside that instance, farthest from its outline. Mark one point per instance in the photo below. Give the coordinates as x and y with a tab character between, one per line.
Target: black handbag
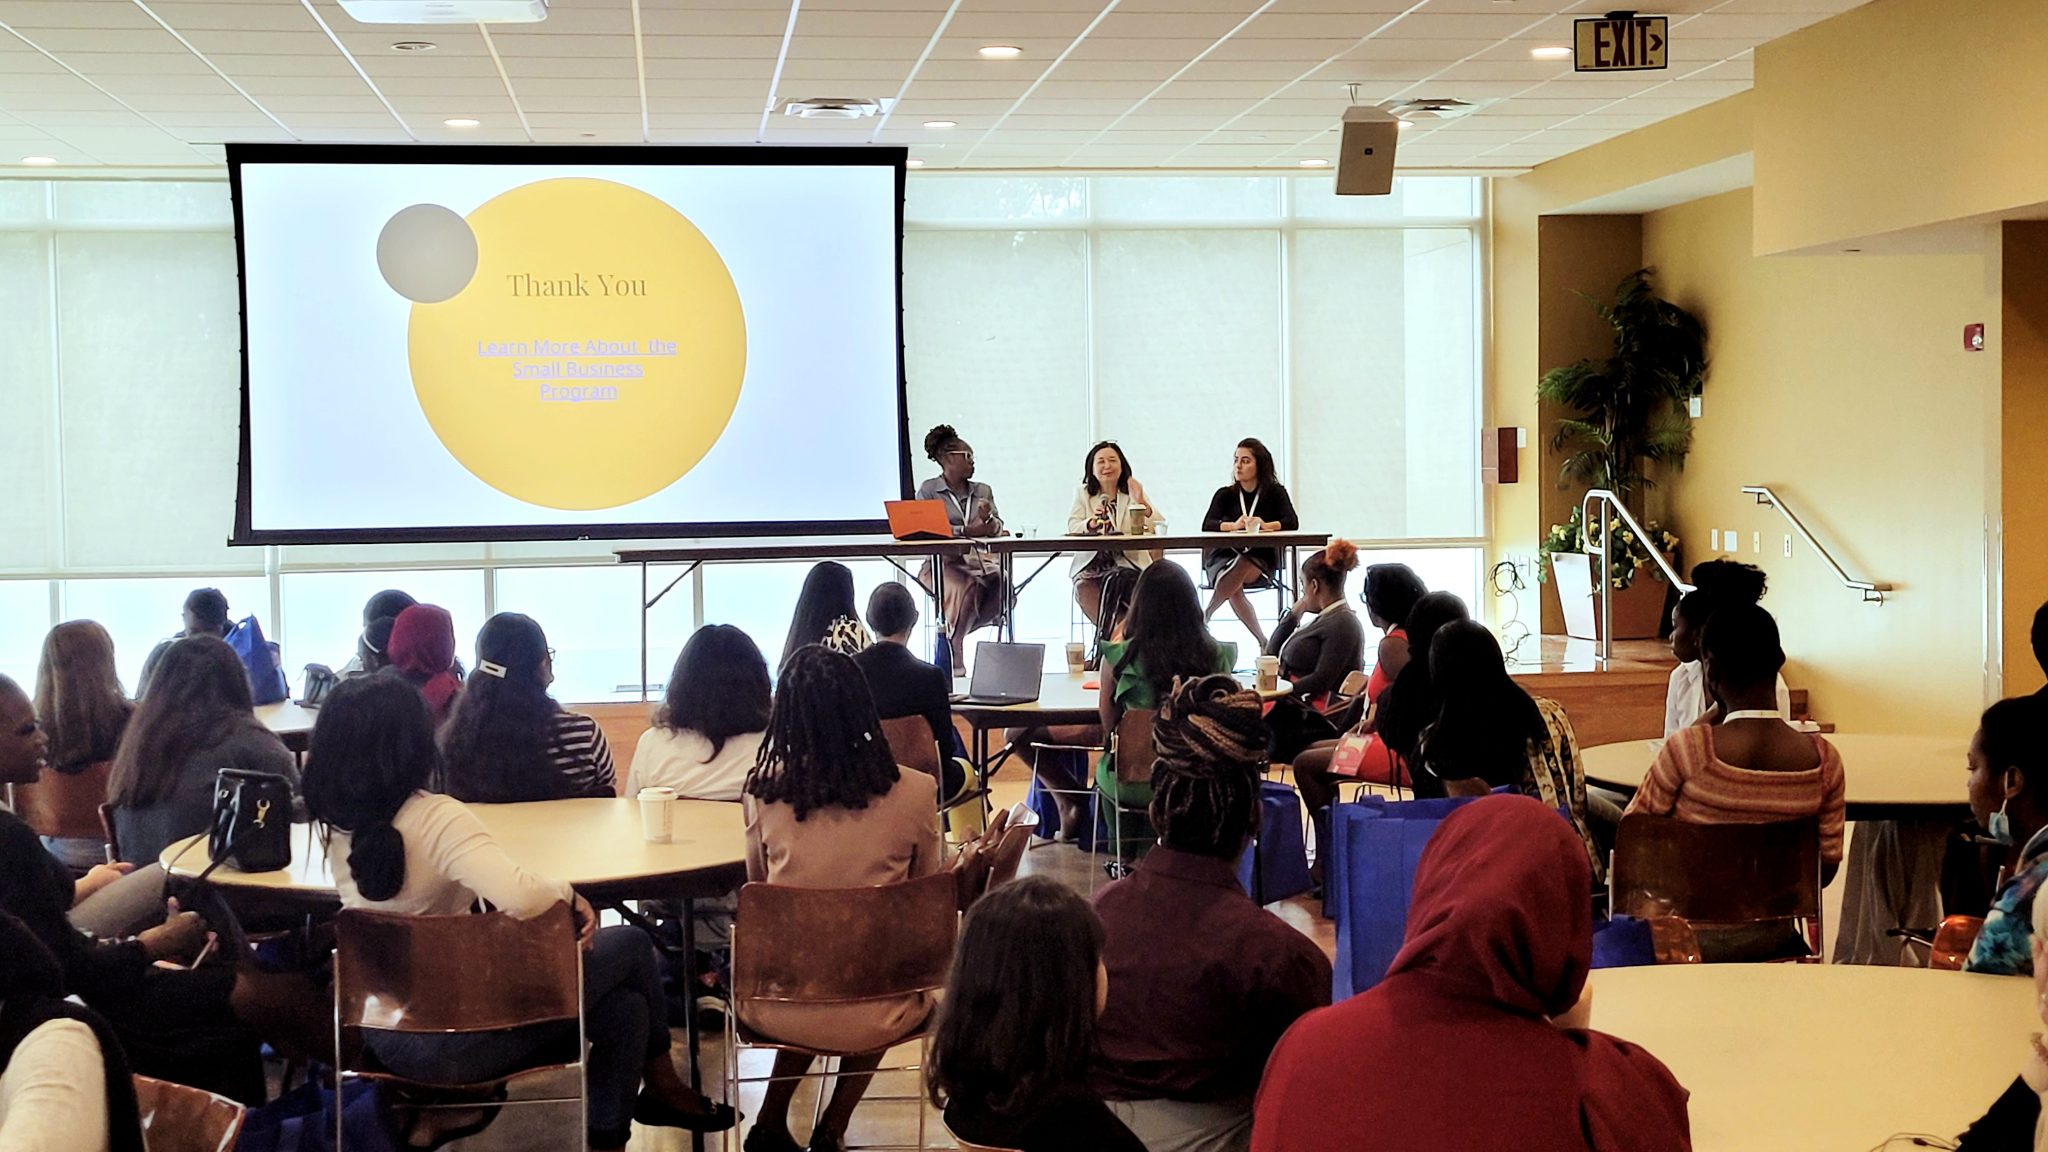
320	680
252	821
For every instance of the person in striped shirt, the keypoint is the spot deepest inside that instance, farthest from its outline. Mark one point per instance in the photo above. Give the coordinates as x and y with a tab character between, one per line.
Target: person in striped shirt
508	740
1748	765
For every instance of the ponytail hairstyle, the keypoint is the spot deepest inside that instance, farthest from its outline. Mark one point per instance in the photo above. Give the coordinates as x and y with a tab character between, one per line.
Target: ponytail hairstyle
1330	566
372	748
939	441
1210	738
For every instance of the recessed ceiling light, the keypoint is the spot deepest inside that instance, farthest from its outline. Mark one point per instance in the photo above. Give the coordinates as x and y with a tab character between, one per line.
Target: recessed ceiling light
414	46
915	163
1000	51
1551	52
461	122
39	161
942	123
1315	163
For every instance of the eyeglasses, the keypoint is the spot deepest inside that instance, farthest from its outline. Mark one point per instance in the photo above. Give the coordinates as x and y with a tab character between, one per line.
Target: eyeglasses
962	452
551	653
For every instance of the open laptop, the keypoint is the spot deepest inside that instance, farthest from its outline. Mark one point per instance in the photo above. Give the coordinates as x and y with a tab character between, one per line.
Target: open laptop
1004	674
918	519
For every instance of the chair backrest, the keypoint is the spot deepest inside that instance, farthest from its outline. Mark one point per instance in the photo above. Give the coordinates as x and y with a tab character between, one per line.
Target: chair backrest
1009	853
910	741
843	945
1953	941
1132	751
180	1119
469	973
1672	940
65	805
1354	684
1716	873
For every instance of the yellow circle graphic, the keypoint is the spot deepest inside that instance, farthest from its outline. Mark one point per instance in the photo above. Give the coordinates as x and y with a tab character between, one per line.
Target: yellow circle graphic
596	355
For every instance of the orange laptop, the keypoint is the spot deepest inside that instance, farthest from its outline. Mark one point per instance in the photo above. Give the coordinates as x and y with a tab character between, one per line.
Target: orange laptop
918	520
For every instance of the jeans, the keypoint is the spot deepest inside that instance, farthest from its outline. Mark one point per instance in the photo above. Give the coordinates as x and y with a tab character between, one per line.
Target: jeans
625	1021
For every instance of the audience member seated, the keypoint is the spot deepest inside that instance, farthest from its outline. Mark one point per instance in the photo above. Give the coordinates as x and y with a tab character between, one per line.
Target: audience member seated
82	706
508	740
1391	591
970	587
1317	656
1016	1026
2009	797
196	1026
371	647
196	721
1490	734
1748	765
825	613
206	614
1110	502
1167	640
1202	982
396	848
828	807
904	685
422	651
64	1082
1478	1038
2013	1122
1254	501
1716	584
707	732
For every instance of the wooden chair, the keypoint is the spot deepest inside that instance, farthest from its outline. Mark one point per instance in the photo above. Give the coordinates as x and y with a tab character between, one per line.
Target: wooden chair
453	974
910	741
1953	941
1009	853
65	806
1673	941
1131	756
838	946
180	1119
1719	875
967	1145
1086	793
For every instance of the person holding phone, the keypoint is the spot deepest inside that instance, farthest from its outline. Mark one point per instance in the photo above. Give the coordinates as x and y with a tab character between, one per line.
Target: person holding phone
970	587
1254	501
1110	502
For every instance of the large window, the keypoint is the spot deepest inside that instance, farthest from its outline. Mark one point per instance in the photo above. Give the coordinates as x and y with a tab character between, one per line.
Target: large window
1175	314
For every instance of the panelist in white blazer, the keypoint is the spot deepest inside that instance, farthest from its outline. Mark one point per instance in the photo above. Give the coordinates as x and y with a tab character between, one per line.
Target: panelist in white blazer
1110	502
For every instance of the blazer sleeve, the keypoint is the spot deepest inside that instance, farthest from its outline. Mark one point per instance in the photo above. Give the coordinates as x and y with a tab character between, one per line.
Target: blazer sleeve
1077	516
1341	654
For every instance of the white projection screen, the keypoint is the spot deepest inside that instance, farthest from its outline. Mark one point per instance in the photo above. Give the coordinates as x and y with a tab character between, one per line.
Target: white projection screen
524	343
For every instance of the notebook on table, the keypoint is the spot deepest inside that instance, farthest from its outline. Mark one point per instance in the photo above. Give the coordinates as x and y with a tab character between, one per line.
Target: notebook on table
1004	674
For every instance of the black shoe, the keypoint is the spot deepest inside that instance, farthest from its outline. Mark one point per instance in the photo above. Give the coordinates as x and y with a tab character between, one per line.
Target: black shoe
763	1140
822	1141
652	1110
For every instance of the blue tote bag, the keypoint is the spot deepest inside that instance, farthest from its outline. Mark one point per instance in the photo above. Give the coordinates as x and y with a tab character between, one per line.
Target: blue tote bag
1374	848
1275	866
260	661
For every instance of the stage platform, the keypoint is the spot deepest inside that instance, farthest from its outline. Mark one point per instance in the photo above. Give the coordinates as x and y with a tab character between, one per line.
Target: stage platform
1622	701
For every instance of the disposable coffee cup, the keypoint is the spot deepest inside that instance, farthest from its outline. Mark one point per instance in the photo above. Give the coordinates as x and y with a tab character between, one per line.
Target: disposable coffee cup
1077	657
1257	525
1269	673
657	814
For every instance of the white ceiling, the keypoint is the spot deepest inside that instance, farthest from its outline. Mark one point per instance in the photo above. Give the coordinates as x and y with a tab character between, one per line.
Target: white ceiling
1102	83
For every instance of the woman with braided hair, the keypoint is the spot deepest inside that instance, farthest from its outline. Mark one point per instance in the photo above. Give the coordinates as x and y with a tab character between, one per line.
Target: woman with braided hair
827	807
1202	982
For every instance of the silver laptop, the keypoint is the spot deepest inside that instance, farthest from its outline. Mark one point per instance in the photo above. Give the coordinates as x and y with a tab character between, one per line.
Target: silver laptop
1004	674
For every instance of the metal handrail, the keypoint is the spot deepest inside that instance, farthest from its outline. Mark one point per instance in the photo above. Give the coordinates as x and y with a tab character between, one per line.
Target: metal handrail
1873	593
1603	550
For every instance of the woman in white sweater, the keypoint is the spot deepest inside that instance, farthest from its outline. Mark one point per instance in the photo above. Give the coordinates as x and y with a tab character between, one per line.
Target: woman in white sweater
707	732
397	848
1110	502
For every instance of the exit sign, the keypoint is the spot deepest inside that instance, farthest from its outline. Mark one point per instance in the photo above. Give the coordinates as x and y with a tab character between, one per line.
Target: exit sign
1621	44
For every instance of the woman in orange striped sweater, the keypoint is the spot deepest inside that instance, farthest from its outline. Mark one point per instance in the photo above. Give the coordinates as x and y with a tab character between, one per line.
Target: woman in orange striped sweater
1748	766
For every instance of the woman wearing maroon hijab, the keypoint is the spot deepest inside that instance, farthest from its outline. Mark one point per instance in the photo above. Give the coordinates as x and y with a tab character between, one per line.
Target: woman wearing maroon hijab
422	649
1476	1039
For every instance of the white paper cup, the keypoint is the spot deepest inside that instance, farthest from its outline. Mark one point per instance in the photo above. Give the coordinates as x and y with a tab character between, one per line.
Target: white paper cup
1077	657
1256	526
1269	673
657	814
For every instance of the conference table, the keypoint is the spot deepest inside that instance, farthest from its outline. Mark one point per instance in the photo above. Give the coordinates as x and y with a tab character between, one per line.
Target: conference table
593	844
292	723
1823	1057
1884	777
1050	548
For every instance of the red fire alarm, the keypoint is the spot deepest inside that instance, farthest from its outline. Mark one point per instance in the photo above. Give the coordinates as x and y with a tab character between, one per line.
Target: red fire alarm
1973	337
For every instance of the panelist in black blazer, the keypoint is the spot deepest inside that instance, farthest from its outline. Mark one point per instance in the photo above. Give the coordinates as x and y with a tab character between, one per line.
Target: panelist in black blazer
1254	502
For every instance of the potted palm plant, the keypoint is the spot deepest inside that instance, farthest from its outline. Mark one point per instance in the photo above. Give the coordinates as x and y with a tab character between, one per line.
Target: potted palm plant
1631	410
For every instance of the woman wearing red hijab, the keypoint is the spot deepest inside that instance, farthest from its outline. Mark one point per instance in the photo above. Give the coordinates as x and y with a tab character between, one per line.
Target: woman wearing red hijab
422	649
1476	1040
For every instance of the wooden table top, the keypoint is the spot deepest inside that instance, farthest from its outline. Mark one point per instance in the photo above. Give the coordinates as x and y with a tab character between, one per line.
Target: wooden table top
593	844
1822	1057
1883	776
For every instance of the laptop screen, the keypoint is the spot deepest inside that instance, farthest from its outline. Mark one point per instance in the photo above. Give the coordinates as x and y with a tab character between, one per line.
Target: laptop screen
1007	671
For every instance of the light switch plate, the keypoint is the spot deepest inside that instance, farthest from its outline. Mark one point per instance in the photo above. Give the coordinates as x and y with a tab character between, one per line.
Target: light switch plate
1713	539
1692	407
1732	538
1788	544
1756	543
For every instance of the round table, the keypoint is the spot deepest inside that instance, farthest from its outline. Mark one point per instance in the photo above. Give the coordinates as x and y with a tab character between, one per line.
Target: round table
291	723
1884	777
1822	1057
593	844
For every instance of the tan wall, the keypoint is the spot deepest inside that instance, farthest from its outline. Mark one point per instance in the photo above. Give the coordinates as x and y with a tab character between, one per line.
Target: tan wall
1900	114
1842	382
2023	345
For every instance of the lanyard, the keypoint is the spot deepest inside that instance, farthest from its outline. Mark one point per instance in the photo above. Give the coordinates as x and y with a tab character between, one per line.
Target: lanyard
962	505
1254	504
1755	714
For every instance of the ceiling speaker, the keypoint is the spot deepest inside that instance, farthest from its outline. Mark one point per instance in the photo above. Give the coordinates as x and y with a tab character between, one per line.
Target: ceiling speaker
1365	158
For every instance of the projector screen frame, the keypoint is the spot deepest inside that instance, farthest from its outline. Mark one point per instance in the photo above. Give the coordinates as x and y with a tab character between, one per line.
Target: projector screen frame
678	156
